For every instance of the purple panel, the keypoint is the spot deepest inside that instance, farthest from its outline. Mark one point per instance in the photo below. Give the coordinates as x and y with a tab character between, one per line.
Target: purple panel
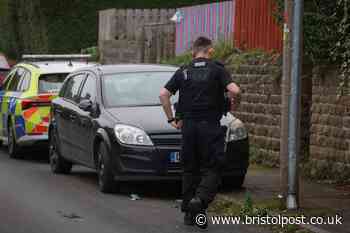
211	20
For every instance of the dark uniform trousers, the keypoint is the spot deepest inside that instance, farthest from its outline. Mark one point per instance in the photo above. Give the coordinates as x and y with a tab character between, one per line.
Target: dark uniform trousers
202	159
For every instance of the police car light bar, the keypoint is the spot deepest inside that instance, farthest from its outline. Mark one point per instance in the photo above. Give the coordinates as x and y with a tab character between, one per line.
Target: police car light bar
56	57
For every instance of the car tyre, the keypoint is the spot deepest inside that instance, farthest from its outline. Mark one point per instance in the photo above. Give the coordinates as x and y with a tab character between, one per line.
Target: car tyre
106	181
13	148
235	182
58	164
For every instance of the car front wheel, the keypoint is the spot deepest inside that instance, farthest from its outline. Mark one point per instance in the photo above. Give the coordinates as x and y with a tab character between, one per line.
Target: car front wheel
58	164
106	180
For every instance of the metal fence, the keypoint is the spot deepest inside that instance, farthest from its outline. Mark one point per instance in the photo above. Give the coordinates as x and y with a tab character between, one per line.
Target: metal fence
213	20
256	27
135	35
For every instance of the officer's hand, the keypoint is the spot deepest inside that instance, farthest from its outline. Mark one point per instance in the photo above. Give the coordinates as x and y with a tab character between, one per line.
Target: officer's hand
235	103
174	124
179	124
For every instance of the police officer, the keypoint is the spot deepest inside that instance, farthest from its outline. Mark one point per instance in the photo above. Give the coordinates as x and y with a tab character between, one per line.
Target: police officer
202	85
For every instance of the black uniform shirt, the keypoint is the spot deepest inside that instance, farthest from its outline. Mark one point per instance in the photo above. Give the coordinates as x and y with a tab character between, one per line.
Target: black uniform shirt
201	87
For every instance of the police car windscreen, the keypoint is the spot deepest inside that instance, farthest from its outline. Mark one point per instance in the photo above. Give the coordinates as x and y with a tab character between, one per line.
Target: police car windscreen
134	89
51	83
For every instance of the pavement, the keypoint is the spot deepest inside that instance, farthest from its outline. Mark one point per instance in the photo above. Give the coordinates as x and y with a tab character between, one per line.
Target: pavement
315	198
33	200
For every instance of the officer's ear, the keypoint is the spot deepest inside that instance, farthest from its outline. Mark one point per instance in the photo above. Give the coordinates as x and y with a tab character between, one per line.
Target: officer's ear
193	54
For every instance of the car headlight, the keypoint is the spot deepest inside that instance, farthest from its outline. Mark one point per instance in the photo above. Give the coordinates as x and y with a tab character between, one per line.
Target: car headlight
237	131
132	136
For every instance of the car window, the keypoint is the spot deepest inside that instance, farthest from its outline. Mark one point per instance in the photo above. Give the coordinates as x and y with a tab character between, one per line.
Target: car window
49	83
88	91
25	81
134	89
72	87
8	79
15	81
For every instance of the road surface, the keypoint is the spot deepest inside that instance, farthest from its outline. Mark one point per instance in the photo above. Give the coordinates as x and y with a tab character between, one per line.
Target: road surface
33	200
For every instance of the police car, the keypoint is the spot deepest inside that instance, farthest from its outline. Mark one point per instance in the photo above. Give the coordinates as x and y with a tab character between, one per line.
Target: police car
25	98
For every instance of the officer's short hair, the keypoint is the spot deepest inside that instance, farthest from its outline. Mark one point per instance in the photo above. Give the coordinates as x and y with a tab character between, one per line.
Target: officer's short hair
202	44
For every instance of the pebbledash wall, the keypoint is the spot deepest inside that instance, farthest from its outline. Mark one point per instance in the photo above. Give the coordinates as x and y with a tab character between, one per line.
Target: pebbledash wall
325	121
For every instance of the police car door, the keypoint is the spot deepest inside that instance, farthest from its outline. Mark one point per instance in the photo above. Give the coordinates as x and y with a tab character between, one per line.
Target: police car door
3	108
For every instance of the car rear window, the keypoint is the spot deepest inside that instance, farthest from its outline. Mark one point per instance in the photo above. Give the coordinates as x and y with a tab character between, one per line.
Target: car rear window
49	83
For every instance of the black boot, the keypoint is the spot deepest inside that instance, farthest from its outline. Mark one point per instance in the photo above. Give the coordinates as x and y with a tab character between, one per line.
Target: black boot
189	219
196	208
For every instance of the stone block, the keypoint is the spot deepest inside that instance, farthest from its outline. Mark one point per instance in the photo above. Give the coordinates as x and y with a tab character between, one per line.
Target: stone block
346	122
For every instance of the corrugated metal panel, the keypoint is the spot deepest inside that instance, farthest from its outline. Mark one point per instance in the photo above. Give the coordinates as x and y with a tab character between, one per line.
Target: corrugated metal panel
214	21
255	26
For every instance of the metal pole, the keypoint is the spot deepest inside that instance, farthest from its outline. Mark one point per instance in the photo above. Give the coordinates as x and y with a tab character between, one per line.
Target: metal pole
294	106
287	53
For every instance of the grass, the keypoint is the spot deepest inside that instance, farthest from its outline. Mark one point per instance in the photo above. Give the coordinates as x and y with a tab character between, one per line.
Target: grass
228	206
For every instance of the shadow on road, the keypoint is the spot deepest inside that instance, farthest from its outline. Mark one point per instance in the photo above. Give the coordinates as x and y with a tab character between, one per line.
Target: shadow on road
166	190
30	155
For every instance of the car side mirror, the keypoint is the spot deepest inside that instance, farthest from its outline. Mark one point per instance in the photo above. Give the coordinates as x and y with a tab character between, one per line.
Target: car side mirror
85	105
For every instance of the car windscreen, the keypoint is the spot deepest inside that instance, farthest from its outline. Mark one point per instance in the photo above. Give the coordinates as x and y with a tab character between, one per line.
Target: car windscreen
134	89
49	83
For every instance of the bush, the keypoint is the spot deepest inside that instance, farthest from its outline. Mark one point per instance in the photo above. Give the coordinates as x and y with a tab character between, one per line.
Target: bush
226	53
222	51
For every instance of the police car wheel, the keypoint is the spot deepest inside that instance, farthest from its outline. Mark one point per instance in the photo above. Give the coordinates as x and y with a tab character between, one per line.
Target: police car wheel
58	164
13	148
106	180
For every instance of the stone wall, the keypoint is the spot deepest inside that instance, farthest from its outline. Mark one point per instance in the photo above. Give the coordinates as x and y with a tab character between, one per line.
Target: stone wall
325	119
260	110
330	128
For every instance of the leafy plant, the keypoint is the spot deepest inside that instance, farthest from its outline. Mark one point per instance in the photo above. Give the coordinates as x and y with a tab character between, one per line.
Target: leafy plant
93	51
326	35
247	208
222	51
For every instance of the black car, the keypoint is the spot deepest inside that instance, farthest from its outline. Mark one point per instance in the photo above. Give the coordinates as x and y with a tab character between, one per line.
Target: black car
109	118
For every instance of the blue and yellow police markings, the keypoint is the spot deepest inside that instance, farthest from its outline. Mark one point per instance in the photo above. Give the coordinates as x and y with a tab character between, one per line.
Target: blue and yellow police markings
11	112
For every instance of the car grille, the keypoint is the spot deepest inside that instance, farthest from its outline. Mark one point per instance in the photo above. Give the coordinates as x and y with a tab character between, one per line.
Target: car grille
166	139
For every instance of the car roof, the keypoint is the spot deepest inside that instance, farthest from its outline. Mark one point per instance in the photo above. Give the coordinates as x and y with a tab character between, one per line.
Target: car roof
127	68
54	67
